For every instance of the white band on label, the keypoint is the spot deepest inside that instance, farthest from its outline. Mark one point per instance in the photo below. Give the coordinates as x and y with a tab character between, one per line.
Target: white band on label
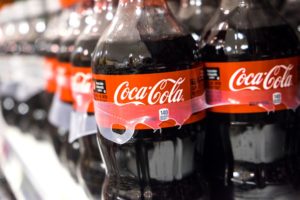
197	104
60	113
81	125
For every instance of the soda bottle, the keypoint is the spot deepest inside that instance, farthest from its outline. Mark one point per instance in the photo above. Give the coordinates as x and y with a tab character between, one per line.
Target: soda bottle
14	47
49	65
31	86
62	106
146	79
27	67
91	170
195	14
251	59
56	29
9	85
48	47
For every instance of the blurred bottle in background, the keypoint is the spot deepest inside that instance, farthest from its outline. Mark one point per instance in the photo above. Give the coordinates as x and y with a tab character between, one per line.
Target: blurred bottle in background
19	68
60	113
31	89
8	83
46	46
26	67
91	169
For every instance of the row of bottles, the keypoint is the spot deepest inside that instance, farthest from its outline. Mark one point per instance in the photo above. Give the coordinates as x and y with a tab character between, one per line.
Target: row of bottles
144	103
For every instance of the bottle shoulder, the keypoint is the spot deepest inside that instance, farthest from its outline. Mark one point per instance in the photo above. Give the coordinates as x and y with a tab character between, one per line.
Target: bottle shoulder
145	56
248	34
83	50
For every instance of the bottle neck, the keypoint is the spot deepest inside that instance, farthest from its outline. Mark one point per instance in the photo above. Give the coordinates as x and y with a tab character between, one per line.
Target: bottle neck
232	4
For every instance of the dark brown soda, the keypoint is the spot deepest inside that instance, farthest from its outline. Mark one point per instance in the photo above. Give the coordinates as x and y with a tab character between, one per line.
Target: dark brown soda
227	174
131	174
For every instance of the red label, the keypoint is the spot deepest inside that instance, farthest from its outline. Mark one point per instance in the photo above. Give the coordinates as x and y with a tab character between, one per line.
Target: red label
254	86
63	81
50	72
148	100
81	89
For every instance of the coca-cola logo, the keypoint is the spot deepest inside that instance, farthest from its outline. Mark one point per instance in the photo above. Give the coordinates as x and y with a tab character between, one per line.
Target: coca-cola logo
164	91
279	76
81	82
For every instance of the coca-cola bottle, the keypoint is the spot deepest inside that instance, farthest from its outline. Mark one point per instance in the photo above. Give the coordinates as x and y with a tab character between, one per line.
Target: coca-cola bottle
8	85
62	106
10	101
49	45
31	87
251	59
83	124
43	46
147	79
19	62
195	14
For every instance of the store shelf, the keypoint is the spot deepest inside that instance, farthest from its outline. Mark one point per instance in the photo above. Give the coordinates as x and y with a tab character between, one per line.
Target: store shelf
33	170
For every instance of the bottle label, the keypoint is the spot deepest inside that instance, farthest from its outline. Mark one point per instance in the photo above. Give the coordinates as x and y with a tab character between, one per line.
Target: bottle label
81	83
50	74
63	81
253	86
147	101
